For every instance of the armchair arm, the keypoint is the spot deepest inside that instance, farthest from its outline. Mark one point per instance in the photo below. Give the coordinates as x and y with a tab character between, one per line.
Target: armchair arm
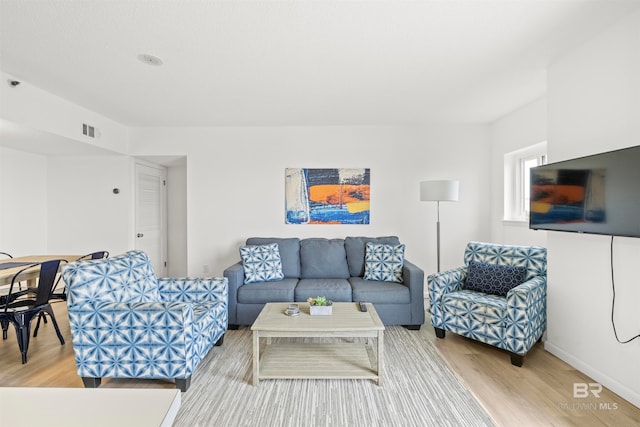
413	278
142	339
526	318
440	284
193	289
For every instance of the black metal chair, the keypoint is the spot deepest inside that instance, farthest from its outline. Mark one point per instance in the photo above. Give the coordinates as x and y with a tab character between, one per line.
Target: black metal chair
20	310
94	255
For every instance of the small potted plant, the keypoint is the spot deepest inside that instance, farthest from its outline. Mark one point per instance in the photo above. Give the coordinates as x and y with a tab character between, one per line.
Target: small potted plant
320	306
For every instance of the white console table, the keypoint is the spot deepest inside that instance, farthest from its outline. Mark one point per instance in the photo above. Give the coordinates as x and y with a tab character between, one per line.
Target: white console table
33	406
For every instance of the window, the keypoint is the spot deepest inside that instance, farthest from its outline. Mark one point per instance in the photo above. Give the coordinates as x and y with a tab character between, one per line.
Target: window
517	166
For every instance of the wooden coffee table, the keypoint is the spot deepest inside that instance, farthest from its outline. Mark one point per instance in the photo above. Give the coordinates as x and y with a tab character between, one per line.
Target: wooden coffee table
301	358
96	407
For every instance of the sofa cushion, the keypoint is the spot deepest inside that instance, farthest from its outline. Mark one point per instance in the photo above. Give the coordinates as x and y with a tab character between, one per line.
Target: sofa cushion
289	252
493	279
261	263
383	262
333	289
379	292
260	293
323	259
355	247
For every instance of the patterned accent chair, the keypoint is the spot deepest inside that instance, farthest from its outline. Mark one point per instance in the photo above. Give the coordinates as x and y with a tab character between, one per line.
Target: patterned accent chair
514	322
126	323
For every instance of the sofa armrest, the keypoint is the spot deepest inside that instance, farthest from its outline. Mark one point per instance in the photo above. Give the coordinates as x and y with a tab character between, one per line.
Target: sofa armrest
440	284
413	278
526	318
193	289
235	276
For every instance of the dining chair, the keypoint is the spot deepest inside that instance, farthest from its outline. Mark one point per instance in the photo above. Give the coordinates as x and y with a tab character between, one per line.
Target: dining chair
94	255
20	310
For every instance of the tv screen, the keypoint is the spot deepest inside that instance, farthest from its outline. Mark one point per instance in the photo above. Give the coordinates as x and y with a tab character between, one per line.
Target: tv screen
597	194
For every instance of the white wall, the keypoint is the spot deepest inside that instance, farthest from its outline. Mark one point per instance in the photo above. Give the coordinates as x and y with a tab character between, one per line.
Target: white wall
235	184
23	212
521	128
84	215
594	106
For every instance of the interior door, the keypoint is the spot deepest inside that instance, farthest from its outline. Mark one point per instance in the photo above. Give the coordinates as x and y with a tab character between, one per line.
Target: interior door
151	214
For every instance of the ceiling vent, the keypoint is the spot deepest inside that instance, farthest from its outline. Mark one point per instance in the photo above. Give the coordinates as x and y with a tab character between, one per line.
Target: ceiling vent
89	131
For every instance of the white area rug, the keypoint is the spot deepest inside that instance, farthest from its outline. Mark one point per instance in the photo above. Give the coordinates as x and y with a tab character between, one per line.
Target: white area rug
419	390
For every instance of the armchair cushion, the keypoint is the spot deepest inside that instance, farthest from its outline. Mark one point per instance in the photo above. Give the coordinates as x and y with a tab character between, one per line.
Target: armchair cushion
480	307
261	263
384	262
493	279
115	279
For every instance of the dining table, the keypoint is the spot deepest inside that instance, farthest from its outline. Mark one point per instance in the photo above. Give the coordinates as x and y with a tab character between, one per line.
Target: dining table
10	266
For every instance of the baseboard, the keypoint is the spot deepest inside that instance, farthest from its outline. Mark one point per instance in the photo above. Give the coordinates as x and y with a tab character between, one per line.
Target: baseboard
613	385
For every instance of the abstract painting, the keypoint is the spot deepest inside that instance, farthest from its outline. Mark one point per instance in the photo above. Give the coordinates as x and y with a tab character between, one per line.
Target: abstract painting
327	196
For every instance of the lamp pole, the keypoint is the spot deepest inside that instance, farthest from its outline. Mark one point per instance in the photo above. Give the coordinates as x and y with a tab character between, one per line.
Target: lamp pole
439	191
438	234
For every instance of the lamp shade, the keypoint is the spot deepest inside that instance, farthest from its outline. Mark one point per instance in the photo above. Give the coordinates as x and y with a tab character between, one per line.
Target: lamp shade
441	190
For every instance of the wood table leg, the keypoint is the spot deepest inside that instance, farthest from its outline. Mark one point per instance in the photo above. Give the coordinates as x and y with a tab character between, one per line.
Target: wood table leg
380	355
256	357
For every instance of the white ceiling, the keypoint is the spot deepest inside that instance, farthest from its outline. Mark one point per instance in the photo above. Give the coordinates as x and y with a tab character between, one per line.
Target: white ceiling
296	62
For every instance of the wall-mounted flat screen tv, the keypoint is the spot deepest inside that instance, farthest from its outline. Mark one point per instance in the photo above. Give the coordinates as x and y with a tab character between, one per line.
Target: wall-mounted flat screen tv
598	194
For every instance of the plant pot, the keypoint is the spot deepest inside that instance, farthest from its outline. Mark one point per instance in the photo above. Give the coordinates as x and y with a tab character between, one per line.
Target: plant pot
321	310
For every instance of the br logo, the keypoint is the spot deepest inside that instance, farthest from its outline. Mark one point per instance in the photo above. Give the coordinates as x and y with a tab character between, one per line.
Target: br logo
583	390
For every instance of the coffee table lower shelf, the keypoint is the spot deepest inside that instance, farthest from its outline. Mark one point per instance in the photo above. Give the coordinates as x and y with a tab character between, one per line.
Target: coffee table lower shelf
318	361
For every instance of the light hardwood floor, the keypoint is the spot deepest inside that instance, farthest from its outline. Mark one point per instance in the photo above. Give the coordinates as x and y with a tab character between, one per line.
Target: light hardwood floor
538	394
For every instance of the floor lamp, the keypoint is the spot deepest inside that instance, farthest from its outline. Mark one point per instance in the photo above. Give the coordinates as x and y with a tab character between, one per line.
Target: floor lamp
439	191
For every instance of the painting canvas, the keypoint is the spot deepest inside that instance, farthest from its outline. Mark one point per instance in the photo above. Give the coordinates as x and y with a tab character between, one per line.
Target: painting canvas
327	196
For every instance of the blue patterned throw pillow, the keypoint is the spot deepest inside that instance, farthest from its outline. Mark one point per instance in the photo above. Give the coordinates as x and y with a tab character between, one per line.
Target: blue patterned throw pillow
383	262
261	263
493	278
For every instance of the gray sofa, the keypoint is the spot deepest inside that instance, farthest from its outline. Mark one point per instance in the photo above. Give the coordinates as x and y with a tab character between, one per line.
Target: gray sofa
333	268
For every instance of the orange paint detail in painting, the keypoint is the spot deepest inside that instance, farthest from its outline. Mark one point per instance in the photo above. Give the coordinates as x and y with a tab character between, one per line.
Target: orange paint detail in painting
331	193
